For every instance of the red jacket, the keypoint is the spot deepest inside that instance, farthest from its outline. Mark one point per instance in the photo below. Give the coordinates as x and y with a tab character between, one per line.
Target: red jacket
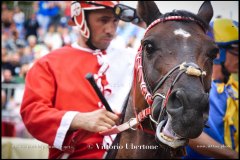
56	85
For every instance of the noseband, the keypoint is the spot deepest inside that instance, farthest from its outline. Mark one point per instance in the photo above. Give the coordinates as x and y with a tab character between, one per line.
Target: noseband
188	68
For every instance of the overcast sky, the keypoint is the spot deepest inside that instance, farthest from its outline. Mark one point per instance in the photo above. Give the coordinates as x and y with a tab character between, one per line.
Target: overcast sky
228	9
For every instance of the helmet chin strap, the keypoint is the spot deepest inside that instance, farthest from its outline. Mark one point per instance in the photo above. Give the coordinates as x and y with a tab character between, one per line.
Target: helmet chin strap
225	72
89	41
90	45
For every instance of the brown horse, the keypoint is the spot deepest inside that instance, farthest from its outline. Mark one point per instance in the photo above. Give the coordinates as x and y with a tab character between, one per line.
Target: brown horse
169	97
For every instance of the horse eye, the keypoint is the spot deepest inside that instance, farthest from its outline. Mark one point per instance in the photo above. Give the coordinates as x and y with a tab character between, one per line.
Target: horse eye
148	47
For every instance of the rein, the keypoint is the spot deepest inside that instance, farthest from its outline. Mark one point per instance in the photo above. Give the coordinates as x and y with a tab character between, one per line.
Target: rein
188	68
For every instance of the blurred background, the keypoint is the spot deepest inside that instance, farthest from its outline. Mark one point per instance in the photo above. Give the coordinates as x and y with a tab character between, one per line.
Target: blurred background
31	30
227	9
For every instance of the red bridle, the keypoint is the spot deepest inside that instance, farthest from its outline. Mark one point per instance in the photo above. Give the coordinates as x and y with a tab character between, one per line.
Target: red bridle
184	68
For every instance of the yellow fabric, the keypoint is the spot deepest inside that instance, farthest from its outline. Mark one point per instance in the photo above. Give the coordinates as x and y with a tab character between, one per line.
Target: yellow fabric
224	30
235	76
231	116
220	87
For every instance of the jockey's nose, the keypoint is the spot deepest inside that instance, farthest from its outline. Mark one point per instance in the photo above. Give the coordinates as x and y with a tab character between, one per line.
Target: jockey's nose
110	27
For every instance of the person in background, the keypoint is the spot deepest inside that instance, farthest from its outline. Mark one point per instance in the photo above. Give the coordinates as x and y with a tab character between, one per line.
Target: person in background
221	139
4	99
19	18
59	106
9	93
31	26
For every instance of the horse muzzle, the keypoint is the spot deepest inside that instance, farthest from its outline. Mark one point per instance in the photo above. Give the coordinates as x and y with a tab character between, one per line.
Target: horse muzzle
182	118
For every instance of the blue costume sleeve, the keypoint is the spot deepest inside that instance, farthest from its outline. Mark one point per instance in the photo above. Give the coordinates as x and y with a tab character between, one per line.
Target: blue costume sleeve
217	111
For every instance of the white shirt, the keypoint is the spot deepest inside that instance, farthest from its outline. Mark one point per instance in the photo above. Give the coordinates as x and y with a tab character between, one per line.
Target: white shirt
120	77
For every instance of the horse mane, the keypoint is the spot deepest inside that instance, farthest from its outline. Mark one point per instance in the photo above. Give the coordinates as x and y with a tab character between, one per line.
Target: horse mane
184	13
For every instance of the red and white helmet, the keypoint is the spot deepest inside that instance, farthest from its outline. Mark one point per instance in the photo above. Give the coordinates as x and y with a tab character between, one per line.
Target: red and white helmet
77	13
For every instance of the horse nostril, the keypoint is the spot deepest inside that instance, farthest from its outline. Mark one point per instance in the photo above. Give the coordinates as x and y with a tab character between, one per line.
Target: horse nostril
175	101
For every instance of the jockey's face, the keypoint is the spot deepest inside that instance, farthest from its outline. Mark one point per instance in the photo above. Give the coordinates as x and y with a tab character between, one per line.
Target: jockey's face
103	25
232	60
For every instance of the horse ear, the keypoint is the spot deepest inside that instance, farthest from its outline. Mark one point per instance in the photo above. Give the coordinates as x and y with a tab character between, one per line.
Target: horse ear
206	11
148	11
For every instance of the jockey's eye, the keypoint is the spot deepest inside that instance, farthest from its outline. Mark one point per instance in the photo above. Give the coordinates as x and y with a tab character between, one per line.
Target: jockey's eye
148	47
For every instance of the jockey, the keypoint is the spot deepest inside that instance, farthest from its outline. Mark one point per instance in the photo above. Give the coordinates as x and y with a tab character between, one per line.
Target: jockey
79	13
221	138
59	106
225	34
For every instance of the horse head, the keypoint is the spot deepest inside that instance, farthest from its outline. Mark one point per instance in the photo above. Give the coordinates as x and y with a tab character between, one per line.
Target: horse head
175	66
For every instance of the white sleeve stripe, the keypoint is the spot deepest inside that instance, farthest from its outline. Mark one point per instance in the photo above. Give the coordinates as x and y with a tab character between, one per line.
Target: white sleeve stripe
63	128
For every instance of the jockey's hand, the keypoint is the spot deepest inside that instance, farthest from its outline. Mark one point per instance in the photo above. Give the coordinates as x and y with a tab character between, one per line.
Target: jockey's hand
96	121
